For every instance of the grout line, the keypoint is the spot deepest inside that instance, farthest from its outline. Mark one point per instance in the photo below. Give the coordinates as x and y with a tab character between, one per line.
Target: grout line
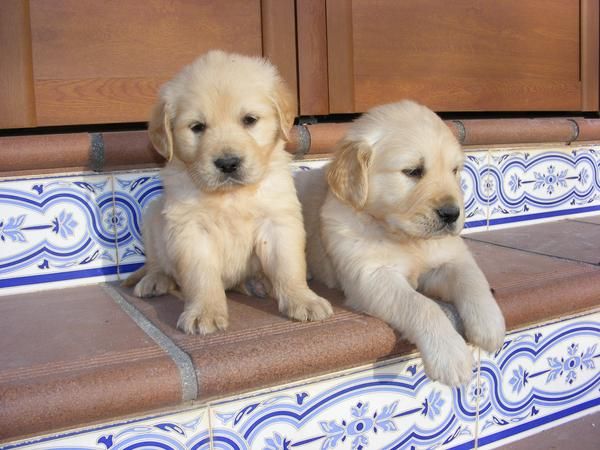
487	206
532	252
477	399
114	212
580	220
210	427
189	381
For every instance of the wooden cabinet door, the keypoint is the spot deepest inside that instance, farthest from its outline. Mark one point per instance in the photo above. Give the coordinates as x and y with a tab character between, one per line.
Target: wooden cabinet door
103	61
459	55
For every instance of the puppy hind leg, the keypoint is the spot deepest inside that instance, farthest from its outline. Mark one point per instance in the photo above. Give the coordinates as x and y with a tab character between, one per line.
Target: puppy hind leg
280	248
154	284
134	278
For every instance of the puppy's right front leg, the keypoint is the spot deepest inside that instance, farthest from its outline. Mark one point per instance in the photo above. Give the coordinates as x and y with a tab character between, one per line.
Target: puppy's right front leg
384	293
199	277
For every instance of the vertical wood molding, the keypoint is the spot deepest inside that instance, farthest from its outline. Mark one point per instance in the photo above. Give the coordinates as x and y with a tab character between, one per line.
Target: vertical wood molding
311	26
17	105
340	56
279	38
590	55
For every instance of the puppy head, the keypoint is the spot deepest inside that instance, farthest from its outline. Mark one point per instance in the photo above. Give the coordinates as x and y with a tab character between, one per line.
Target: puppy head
222	117
401	164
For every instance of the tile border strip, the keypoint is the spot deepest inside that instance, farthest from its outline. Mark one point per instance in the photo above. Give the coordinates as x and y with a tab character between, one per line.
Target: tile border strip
187	372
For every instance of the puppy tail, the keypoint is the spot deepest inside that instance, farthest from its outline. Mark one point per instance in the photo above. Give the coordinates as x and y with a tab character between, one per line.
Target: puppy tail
136	276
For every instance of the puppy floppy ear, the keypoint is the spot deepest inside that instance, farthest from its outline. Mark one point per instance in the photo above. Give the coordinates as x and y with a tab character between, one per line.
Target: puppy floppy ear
348	172
285	104
159	130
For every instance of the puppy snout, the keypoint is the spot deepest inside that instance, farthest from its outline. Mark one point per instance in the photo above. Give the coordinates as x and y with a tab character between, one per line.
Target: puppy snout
448	213
228	163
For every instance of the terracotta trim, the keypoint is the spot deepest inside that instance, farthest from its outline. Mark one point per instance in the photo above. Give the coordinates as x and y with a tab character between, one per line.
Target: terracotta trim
42	152
324	136
504	131
189	384
132	149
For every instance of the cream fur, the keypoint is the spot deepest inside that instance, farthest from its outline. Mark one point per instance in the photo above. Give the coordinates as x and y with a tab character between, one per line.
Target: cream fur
373	230
211	231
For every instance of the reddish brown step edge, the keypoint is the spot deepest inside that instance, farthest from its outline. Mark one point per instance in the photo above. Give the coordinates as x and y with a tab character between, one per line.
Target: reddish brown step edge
113	150
73	356
262	348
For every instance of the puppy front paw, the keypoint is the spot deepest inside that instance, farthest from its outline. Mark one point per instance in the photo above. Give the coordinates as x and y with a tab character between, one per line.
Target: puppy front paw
204	322
153	284
485	327
307	307
449	361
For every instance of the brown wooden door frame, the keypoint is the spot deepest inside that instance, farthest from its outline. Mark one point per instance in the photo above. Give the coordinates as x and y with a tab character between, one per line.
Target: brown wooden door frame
590	55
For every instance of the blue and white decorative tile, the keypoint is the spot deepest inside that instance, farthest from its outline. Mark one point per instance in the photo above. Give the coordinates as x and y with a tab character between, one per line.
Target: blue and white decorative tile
309	164
56	230
542	375
133	192
475	190
175	431
393	405
543	184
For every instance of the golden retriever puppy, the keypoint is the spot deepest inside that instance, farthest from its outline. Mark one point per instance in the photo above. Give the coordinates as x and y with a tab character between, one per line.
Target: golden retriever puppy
229	210
382	223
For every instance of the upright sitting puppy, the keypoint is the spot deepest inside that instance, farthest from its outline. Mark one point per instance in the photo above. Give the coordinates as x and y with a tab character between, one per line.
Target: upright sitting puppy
229	210
383	223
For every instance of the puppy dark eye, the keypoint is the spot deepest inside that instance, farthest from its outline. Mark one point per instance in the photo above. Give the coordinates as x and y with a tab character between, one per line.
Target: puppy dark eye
249	120
415	172
198	127
455	170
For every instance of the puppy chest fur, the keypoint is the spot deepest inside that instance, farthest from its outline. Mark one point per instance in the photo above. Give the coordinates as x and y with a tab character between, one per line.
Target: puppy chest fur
227	229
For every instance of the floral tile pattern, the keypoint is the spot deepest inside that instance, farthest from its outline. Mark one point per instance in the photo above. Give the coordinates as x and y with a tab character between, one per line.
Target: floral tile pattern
541	184
82	228
541	376
176	431
390	406
474	190
56	229
132	193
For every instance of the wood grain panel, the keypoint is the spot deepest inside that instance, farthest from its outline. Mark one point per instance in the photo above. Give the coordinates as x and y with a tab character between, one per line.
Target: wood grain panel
590	50
467	55
279	38
311	28
340	58
102	61
17	108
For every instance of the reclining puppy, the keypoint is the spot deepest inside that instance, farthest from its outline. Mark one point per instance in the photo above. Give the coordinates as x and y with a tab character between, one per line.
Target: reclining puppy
383	222
229	210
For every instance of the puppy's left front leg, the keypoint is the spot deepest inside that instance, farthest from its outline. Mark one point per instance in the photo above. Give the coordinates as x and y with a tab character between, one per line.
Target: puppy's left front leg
463	283
280	248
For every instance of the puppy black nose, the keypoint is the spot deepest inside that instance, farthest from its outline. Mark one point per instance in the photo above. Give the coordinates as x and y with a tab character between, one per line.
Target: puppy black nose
228	164
448	213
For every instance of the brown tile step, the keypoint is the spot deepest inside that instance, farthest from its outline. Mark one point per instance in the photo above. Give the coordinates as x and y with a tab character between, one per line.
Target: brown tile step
76	356
579	434
73	356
